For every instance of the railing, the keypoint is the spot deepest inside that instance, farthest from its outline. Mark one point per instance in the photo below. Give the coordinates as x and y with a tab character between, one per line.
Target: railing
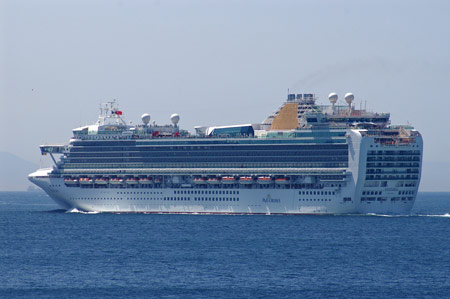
208	171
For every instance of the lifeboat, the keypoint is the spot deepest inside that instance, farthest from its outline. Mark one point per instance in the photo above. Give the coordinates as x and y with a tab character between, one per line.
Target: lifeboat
145	181
199	181
246	180
115	181
282	181
70	181
213	181
158	180
264	180
228	180
101	181
132	181
86	181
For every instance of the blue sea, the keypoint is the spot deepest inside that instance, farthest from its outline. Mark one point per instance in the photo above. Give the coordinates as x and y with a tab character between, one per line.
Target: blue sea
47	253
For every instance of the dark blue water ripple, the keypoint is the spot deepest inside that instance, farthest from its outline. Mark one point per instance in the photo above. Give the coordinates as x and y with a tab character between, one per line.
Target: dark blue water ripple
47	253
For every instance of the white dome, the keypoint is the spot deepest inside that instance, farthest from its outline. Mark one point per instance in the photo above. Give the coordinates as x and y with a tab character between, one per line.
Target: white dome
145	118
175	118
333	97
349	97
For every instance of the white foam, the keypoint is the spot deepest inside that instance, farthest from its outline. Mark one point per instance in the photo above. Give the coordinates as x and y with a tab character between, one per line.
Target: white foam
75	210
387	215
446	215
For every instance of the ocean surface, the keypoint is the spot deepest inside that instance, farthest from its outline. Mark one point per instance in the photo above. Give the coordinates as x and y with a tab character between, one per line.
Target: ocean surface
47	253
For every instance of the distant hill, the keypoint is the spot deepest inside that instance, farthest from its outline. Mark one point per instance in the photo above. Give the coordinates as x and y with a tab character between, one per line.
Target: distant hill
14	172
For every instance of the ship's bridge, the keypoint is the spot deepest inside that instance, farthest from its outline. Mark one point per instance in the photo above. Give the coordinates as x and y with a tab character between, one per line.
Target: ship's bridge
53	149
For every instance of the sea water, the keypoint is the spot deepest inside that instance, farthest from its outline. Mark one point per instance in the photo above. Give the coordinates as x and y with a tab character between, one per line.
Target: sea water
47	253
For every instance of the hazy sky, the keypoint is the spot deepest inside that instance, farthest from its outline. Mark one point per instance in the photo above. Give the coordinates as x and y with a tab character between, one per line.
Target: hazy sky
218	62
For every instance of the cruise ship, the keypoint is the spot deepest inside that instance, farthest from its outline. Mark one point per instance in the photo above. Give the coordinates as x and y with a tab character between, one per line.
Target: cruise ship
305	158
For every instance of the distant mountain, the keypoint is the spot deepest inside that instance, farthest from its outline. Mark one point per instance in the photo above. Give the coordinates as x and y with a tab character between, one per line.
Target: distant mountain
14	172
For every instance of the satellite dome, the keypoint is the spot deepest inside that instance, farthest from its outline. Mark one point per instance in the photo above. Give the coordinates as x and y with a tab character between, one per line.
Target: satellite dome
333	97
145	118
349	97
175	118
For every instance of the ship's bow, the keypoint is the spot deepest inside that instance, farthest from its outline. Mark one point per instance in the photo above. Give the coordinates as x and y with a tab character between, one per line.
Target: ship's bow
41	178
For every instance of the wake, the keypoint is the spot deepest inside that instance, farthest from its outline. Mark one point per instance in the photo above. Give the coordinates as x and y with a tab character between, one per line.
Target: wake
446	215
76	211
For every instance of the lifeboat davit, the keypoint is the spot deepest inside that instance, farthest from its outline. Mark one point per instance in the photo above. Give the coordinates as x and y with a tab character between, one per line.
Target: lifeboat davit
101	181
145	181
132	181
246	180
86	181
264	180
70	181
282	181
228	180
199	181
115	181
213	181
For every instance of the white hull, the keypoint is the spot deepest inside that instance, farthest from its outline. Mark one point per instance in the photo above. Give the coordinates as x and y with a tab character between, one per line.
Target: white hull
221	201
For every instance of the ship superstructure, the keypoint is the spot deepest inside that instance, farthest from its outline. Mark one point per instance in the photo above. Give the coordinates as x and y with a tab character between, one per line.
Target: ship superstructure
303	159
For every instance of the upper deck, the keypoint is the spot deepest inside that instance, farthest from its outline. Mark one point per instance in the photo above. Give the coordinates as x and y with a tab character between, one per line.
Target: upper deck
298	118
